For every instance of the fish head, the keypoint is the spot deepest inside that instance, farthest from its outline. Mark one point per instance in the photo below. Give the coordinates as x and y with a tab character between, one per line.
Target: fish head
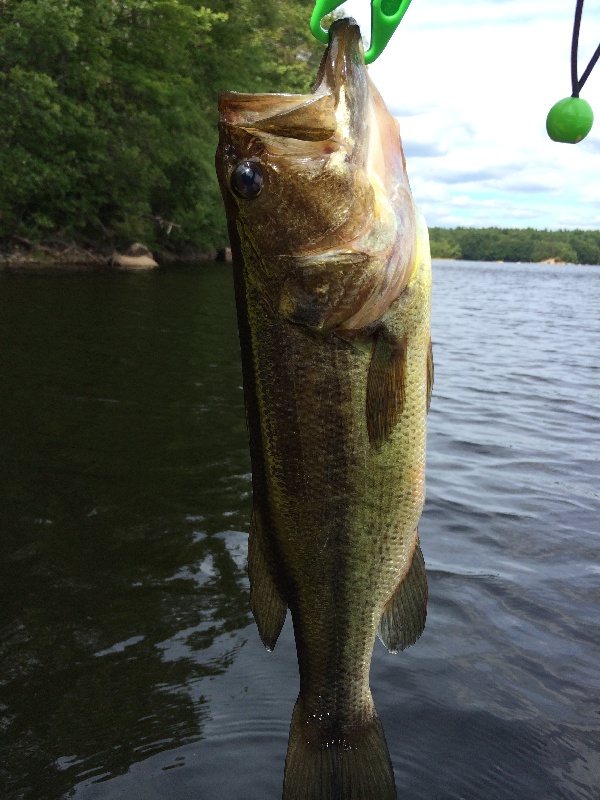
317	198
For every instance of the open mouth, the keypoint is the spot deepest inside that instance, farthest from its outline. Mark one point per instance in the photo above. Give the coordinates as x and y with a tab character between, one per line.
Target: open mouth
338	99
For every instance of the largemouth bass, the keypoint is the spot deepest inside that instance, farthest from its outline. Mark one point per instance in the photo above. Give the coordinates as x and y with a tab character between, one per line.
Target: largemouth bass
332	280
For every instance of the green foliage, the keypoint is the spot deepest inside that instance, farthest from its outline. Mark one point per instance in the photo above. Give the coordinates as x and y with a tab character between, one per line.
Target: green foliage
442	245
515	244
110	110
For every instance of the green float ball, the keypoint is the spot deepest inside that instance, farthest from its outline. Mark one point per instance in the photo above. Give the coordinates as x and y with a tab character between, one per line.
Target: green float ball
569	120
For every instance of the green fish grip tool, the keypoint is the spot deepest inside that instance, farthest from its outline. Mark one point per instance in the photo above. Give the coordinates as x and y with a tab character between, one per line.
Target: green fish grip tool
385	18
571	119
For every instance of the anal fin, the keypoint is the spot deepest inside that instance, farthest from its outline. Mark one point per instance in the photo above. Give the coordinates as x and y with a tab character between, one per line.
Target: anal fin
266	602
403	618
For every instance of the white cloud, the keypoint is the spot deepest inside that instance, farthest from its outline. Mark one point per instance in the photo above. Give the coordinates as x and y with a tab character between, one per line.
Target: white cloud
472	83
591	195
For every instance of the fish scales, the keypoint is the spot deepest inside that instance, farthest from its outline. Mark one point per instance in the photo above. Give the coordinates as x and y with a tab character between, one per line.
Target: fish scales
337	370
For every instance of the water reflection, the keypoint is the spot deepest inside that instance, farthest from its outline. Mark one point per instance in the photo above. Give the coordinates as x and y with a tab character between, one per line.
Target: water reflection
123	588
129	667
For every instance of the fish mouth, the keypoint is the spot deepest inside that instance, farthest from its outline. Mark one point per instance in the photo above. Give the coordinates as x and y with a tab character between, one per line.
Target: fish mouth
333	110
343	75
344	54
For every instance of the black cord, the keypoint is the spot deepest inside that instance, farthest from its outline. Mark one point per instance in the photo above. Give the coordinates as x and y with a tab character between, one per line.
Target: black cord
577	83
589	68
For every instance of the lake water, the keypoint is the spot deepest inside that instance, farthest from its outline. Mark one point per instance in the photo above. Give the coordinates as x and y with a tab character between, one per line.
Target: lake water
129	665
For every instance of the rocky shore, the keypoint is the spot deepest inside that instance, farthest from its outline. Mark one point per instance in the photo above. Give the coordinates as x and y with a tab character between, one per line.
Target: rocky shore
21	254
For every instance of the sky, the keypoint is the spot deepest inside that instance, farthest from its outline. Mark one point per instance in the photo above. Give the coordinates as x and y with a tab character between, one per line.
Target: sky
471	83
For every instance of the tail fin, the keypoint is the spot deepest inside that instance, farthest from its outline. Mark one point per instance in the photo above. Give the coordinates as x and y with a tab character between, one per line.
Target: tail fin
337	767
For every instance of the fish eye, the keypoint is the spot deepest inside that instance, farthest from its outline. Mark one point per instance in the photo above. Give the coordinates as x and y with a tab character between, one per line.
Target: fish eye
247	180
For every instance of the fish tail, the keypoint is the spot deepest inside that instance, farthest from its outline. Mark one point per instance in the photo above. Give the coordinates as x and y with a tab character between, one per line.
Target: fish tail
356	766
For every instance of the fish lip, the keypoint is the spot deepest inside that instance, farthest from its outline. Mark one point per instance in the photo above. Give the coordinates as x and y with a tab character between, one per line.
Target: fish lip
345	48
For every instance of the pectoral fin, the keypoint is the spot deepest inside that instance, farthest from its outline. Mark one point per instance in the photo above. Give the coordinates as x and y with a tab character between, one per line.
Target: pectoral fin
385	388
266	602
403	618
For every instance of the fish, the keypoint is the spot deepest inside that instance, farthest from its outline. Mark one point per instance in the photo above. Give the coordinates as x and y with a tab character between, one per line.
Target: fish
332	281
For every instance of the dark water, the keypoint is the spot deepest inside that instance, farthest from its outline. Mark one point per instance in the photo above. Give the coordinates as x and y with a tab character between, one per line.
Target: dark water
129	667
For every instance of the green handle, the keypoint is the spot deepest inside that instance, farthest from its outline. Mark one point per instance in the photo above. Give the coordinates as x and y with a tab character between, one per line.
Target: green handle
321	9
386	15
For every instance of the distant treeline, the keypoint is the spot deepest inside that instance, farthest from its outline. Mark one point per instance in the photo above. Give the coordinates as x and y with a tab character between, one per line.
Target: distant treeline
516	244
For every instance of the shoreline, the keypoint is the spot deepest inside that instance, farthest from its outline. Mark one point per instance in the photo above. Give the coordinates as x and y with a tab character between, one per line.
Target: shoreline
25	255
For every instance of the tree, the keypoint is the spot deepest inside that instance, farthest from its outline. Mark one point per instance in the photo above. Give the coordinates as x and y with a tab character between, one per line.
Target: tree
110	110
443	246
515	244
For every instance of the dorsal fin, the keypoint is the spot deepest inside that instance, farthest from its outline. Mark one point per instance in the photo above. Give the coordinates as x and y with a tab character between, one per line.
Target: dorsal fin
266	602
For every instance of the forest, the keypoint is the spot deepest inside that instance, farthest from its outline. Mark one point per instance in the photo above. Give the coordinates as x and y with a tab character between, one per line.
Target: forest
516	244
109	111
109	122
